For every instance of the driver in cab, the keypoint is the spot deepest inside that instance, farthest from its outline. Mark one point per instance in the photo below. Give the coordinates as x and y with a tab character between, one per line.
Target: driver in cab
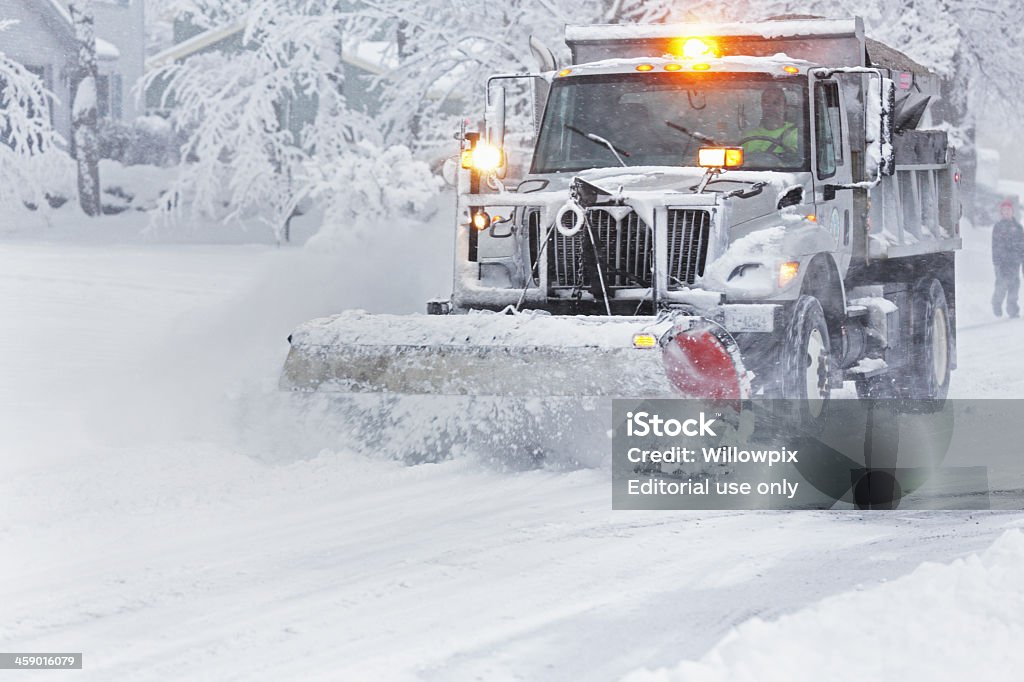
775	135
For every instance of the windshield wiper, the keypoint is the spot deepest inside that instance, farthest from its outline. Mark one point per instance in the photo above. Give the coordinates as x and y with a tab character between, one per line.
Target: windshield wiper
700	137
600	140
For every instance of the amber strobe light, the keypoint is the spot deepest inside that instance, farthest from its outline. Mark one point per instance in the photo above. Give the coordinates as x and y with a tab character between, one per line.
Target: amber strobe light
720	157
483	157
694	48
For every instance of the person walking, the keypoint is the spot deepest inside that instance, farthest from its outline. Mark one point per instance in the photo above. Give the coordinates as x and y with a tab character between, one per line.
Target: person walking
1007	257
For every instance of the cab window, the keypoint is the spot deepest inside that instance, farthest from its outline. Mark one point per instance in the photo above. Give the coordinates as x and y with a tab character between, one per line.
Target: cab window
828	139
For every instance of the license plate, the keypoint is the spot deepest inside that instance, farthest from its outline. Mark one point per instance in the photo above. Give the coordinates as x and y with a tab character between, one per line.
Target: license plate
750	318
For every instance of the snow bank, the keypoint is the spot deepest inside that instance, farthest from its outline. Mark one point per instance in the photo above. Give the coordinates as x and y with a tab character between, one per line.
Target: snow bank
951	622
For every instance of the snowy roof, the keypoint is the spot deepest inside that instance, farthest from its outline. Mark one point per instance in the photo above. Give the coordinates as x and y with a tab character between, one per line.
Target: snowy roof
368	55
764	29
196	43
105	50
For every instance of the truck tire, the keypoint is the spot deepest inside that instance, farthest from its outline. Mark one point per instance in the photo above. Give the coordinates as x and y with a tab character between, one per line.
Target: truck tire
926	377
924	380
806	361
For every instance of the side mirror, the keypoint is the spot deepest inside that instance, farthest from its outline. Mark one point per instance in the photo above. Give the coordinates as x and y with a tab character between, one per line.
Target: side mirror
450	172
494	117
878	119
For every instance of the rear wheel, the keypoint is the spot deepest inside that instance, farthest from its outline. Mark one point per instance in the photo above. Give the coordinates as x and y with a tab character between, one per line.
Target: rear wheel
932	346
925	376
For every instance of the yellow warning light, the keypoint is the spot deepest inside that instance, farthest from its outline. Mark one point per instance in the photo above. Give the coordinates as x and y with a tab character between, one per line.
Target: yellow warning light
701	66
673	67
720	157
694	48
790	69
698	47
564	72
644	67
788	272
645	341
813	218
483	157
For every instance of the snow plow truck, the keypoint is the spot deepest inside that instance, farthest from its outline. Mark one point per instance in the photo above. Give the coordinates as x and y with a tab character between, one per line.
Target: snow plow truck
710	210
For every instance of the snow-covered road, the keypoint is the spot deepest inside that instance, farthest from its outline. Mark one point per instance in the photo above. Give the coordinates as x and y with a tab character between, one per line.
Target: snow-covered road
151	519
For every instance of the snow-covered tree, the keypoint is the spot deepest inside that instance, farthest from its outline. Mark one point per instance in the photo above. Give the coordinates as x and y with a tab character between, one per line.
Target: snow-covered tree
260	121
27	140
84	116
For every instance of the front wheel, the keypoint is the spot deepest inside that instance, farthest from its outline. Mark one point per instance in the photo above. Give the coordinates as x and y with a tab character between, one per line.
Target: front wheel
806	371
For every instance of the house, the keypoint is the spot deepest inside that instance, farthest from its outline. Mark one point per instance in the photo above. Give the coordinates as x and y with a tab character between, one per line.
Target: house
43	41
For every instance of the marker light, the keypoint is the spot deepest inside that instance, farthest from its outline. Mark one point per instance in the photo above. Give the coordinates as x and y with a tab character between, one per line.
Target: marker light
720	157
644	67
565	72
790	69
645	341
813	218
673	67
481	221
484	157
788	272
701	66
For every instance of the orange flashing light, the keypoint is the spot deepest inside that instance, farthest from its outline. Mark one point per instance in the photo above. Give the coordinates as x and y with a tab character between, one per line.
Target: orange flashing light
644	67
720	157
790	69
673	67
701	66
564	72
694	48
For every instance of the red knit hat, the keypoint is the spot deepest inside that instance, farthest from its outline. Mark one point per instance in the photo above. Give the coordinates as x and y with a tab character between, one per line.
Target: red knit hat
1006	203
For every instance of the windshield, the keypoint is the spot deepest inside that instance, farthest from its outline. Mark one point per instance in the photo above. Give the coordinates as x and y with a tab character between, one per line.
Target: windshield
662	119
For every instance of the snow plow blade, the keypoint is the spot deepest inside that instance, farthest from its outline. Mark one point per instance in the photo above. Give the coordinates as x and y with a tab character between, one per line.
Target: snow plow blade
479	354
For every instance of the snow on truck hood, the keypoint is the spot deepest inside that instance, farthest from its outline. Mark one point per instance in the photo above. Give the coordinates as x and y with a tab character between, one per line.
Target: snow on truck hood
660	183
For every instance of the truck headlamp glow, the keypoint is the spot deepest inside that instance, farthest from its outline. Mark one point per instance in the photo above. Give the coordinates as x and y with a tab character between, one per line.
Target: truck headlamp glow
484	157
788	272
481	221
720	157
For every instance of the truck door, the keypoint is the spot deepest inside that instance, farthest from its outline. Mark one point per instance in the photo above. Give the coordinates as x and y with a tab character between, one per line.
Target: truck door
831	165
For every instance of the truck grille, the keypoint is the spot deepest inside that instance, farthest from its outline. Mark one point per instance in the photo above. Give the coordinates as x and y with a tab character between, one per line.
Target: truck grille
688	233
627	249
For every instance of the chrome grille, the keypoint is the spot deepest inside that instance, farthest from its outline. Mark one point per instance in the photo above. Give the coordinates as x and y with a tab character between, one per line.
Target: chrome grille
627	247
688	233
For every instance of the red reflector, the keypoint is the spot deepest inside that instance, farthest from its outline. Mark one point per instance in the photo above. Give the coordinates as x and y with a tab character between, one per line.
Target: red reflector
698	365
